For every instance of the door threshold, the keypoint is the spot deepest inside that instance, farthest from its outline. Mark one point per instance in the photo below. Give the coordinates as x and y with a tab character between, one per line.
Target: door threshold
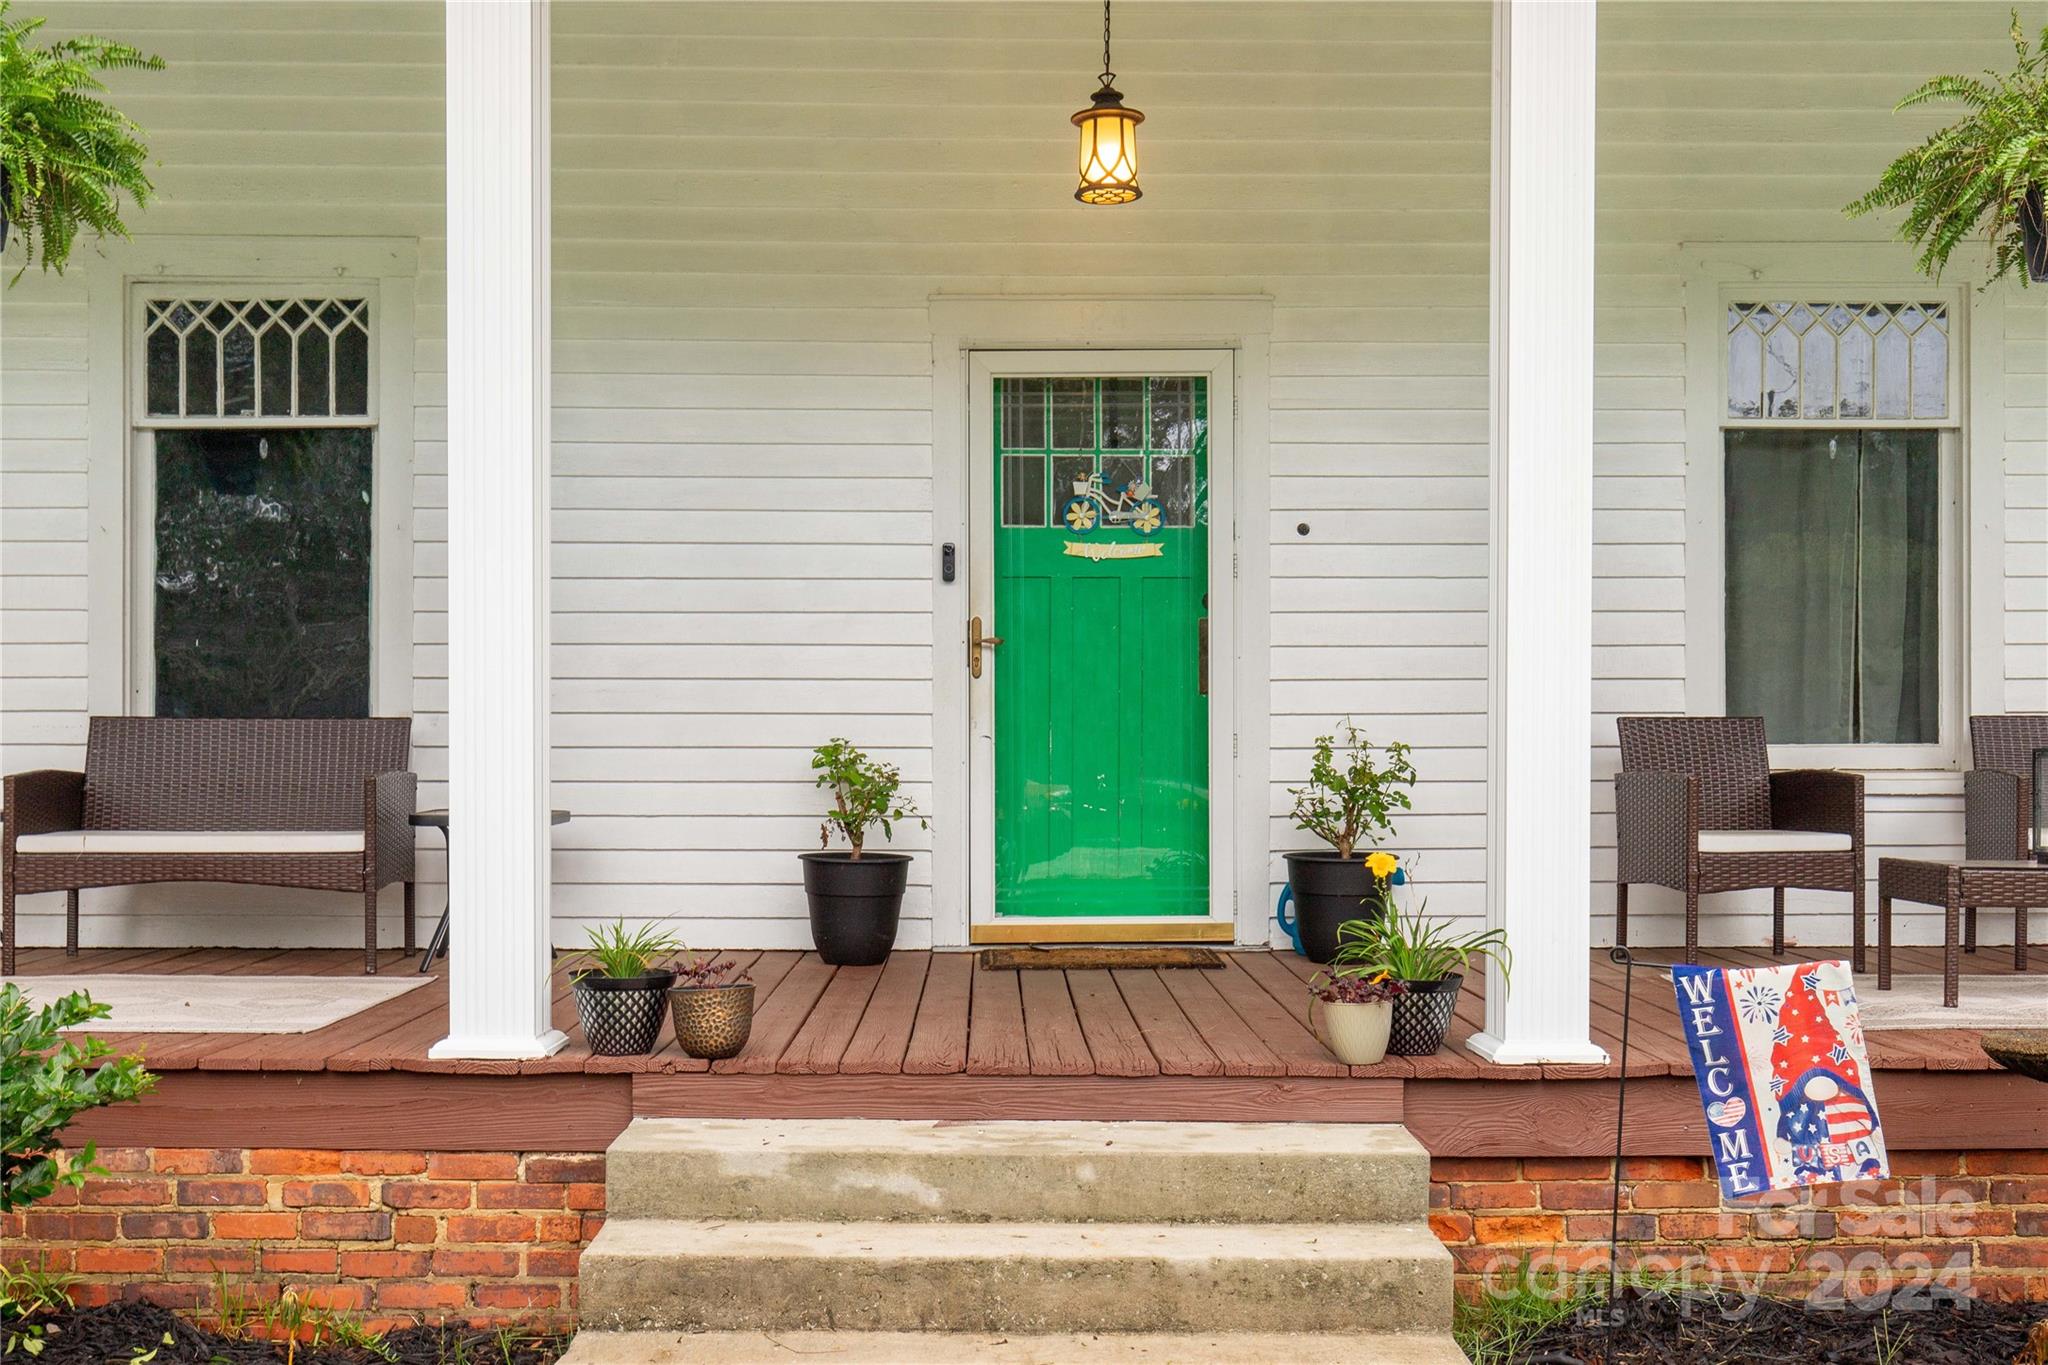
1061	931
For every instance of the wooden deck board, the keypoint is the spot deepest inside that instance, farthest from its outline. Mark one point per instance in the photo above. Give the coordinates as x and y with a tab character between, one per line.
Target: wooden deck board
935	1014
882	1037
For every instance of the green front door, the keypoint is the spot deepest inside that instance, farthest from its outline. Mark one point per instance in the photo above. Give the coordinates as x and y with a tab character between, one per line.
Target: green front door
1101	681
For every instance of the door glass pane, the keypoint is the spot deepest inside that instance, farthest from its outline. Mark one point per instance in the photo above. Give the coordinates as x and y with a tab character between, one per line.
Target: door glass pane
1023	414
263	572
1024	490
1123	414
1073	414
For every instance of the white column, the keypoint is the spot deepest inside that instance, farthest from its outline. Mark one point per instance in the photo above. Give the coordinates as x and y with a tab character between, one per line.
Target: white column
1540	821
498	530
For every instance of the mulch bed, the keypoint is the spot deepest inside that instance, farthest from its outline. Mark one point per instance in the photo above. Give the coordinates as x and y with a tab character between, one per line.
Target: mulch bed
130	1331
1921	1327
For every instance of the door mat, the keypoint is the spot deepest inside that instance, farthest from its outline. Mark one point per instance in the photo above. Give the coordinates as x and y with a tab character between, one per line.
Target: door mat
169	1003
1096	959
1984	1001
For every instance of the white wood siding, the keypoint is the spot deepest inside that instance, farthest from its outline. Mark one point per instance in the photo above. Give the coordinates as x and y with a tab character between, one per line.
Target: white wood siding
754	204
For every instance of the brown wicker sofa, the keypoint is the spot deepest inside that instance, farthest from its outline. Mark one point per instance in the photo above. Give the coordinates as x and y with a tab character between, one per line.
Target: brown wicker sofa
321	804
1698	809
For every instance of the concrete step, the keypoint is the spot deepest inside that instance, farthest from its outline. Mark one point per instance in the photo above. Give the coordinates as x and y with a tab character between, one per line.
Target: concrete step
709	1275
855	1169
946	1348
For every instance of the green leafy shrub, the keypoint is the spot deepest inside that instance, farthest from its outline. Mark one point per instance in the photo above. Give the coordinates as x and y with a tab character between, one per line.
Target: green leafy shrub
1982	172
865	793
45	1084
1412	946
66	156
1352	800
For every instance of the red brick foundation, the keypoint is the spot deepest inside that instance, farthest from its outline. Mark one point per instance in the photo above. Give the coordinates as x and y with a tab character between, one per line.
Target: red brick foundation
399	1236
1973	1221
482	1236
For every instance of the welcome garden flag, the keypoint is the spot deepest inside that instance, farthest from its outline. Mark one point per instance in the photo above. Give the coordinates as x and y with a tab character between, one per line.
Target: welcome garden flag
1778	1053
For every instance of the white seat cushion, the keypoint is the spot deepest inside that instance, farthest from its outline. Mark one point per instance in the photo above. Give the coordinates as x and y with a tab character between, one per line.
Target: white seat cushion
57	841
1771	841
222	841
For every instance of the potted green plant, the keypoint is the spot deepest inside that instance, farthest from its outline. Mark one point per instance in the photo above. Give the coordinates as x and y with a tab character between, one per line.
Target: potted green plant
622	993
1426	957
713	1004
1985	172
1354	1012
856	895
1348	803
67	156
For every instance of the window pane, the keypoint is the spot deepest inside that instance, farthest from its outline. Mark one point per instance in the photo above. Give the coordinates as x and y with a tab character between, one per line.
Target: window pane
277	372
312	373
1023	414
161	363
1173	484
1172	414
1024	490
1070	475
351	372
1791	583
263	573
202	385
1121	474
238	369
1898	633
1833	565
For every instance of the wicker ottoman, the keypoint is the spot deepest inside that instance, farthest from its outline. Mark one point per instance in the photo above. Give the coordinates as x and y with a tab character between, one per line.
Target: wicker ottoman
1956	887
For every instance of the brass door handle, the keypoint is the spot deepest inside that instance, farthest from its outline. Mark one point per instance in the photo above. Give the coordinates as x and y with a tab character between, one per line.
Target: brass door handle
977	642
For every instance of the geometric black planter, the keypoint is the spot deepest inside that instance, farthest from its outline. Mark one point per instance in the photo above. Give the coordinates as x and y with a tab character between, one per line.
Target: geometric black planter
2034	234
855	904
1422	1016
622	1015
1328	890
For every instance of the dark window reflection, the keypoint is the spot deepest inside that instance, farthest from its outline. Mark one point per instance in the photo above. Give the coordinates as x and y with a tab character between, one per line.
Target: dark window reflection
263	573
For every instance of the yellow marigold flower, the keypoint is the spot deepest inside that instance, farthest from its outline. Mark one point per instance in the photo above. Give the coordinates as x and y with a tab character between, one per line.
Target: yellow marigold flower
1381	864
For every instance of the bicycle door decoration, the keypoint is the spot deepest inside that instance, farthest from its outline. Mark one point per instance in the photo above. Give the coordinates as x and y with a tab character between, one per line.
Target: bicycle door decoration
1090	507
1783	1074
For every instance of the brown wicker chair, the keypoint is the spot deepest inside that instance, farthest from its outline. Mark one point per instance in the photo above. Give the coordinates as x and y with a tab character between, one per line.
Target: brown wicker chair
1998	793
322	804
1698	809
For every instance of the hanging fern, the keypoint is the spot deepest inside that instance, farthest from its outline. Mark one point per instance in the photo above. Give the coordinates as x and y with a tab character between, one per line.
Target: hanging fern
66	156
1977	174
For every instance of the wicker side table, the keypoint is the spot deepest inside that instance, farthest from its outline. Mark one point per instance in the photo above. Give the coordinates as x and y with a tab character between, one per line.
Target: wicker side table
2021	885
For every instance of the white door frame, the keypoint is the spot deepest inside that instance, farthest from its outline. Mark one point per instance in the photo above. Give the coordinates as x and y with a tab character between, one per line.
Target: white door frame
963	325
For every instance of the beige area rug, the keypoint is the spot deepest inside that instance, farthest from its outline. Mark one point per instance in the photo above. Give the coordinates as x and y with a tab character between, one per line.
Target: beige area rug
1986	1002
223	1004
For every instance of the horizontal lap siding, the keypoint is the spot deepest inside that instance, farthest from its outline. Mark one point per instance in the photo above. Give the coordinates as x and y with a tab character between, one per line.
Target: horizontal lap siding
744	360
1757	123
269	120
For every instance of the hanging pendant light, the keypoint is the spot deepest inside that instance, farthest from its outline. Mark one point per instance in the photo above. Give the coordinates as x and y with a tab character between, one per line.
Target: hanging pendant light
1109	139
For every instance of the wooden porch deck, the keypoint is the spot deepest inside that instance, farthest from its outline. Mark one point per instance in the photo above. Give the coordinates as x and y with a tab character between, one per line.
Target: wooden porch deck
936	1014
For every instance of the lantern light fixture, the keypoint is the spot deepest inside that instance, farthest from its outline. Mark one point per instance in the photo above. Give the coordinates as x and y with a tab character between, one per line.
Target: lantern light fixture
1109	139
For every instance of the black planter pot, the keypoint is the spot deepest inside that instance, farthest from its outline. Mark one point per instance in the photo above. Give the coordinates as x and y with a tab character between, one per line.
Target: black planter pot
1328	890
2034	234
1422	1016
622	1014
855	904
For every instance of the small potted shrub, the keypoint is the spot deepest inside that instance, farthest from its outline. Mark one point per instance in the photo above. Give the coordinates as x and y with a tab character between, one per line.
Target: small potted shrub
1427	958
1348	803
1355	1011
621	995
855	894
1985	172
713	1004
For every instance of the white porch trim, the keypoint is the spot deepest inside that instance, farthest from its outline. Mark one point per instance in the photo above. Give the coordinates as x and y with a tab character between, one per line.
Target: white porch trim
498	458
1539	862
